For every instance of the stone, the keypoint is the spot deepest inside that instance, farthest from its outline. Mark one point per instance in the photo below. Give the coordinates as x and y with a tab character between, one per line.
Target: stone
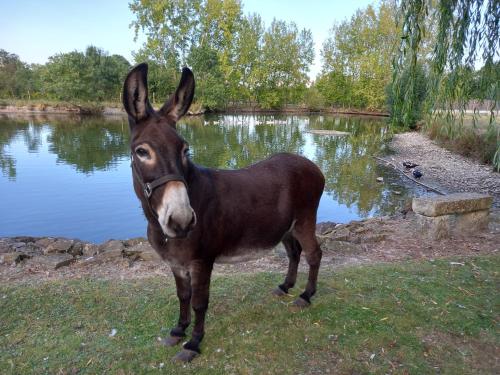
134	241
76	249
11	258
456	203
341	246
90	249
111	254
445	226
59	246
44	242
143	251
18	245
111	245
340	234
54	261
380	179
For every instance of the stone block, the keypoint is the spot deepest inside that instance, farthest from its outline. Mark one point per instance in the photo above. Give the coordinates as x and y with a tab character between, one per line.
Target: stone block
54	261
444	226
11	258
457	203
60	246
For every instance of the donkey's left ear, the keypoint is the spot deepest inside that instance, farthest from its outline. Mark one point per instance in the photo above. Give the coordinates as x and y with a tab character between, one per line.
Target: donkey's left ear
178	104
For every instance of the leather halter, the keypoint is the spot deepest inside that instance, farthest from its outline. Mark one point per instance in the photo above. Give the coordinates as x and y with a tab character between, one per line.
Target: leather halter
149	187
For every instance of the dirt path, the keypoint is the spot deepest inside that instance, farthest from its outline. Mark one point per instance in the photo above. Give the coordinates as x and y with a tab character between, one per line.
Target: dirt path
445	170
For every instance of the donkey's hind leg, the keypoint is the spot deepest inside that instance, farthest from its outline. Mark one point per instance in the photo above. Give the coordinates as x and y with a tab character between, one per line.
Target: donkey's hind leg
305	234
293	250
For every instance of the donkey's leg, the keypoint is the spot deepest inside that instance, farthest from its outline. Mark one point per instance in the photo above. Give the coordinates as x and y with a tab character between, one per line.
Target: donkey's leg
293	250
183	285
305	234
200	285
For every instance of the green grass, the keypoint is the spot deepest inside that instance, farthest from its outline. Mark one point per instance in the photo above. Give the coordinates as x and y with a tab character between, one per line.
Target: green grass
417	318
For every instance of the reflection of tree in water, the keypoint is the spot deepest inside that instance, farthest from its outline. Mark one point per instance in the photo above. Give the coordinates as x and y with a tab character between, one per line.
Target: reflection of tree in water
33	137
237	145
9	129
92	143
346	161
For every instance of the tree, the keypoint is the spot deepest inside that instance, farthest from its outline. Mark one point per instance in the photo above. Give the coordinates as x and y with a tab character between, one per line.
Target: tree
16	80
467	33
286	56
234	57
92	75
357	58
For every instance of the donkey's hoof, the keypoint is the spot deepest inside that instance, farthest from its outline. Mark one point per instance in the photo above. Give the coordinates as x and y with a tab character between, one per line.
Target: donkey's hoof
278	292
171	340
301	303
185	355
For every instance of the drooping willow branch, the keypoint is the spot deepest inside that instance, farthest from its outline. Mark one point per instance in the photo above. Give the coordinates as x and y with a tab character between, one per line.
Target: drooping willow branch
463	66
465	61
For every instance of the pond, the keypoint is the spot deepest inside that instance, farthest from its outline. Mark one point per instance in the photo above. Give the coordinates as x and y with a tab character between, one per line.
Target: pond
70	176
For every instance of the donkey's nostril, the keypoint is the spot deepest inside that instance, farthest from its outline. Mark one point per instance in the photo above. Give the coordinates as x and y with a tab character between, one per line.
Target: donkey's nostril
192	223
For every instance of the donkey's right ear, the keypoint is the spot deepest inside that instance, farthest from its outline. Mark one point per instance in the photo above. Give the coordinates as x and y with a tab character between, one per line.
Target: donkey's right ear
135	93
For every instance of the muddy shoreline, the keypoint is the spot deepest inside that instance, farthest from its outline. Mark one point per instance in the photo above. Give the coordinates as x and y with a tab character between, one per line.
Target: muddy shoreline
73	109
443	170
375	240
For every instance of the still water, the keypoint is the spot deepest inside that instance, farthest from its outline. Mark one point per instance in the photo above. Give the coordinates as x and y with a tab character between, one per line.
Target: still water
70	176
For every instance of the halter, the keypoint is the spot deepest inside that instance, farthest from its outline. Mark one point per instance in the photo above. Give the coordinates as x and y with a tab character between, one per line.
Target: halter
149	187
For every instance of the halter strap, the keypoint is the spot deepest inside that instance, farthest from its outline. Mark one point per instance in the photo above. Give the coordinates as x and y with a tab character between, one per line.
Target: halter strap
149	187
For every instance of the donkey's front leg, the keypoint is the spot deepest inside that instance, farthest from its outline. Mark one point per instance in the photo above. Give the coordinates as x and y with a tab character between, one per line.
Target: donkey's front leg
200	284
183	285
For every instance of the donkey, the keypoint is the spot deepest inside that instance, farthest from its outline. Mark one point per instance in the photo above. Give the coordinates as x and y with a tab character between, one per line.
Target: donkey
198	216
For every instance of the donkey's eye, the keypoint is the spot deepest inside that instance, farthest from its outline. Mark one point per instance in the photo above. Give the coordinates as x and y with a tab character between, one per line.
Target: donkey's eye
141	152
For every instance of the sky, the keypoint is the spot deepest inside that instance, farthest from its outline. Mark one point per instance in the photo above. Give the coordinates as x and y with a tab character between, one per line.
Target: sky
35	30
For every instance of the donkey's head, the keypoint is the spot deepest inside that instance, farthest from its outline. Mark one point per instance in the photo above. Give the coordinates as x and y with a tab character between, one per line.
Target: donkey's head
159	155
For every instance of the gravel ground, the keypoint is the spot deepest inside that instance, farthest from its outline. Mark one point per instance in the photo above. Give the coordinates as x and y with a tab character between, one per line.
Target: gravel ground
445	170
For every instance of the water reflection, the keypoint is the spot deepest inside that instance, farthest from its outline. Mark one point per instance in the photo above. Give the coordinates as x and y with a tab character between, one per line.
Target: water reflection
94	153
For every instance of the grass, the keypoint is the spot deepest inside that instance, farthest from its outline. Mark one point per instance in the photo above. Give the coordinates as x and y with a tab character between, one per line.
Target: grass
411	318
479	141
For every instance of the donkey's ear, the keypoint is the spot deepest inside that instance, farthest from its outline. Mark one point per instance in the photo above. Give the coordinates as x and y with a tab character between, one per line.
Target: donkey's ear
178	104
135	93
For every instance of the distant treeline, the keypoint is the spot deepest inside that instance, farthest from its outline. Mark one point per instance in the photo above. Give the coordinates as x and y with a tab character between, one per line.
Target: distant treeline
237	60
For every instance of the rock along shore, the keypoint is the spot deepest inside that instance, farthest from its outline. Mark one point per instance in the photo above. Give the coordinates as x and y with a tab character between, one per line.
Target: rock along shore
383	239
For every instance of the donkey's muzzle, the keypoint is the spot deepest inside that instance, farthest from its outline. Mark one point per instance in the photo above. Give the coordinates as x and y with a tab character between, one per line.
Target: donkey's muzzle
180	228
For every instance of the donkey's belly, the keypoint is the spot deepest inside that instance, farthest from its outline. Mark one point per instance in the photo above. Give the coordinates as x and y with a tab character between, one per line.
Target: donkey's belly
243	255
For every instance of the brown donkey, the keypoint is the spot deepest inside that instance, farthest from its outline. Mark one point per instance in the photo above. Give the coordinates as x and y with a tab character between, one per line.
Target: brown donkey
198	216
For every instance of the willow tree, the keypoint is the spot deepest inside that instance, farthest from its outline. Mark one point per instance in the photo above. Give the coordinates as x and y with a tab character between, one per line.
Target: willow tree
463	65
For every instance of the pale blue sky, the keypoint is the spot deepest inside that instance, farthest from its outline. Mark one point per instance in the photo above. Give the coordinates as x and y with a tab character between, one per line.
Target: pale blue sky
35	30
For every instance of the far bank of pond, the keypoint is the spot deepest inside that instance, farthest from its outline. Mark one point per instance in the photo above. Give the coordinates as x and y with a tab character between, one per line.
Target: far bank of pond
69	176
35	107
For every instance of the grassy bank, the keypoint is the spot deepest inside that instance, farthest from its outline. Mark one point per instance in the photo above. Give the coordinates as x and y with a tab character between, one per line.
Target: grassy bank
49	106
475	138
419	317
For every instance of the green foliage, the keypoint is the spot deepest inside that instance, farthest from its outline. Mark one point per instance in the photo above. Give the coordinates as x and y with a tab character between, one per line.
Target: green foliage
234	57
419	95
414	317
16	77
357	58
466	35
92	75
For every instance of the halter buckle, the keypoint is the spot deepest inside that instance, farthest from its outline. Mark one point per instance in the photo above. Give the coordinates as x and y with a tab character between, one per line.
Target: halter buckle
148	191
